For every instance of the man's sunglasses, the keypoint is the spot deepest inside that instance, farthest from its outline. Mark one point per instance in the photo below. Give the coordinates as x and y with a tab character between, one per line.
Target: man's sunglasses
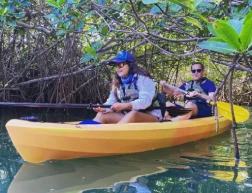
196	70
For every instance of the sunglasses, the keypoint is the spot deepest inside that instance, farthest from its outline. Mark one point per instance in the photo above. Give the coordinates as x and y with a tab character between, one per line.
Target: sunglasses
196	70
120	65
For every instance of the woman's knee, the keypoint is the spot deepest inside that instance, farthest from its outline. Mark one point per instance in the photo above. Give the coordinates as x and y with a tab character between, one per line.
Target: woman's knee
131	114
130	117
169	104
100	117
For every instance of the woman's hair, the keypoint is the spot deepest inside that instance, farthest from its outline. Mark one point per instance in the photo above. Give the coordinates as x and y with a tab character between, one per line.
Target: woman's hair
133	69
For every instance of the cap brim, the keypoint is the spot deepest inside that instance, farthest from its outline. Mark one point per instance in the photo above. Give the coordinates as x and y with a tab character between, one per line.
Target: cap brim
115	61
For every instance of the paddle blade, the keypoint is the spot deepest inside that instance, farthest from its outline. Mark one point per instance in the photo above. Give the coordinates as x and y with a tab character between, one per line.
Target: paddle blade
241	114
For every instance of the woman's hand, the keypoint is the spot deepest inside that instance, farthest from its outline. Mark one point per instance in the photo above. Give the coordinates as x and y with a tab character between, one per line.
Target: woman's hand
121	106
99	110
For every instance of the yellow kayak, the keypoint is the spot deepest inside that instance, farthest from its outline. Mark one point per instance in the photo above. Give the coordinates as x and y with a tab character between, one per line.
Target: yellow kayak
38	142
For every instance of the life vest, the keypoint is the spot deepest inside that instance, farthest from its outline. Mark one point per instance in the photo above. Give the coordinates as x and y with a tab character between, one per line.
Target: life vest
129	92
195	86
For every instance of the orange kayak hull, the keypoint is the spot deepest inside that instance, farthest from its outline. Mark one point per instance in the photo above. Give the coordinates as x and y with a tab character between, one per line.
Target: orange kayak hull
38	142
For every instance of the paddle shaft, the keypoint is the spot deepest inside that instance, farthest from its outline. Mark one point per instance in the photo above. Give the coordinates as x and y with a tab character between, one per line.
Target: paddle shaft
185	92
66	105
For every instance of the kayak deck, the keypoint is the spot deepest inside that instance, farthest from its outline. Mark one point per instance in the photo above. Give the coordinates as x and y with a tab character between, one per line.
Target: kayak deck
38	142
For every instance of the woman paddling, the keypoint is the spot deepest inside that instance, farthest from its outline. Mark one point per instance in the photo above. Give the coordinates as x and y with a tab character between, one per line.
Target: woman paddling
132	95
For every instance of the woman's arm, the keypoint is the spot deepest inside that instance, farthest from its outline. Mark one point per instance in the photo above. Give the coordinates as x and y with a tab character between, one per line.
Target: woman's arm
110	101
147	90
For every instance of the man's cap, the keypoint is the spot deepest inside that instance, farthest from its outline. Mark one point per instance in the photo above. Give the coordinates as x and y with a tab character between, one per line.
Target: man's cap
123	56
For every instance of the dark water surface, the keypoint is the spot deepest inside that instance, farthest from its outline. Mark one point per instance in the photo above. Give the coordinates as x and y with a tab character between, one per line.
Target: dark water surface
204	166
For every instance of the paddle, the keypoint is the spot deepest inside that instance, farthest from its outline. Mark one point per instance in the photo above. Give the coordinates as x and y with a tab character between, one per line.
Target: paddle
241	114
173	111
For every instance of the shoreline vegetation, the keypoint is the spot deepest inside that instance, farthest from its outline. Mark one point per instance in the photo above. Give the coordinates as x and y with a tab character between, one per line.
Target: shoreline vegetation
57	51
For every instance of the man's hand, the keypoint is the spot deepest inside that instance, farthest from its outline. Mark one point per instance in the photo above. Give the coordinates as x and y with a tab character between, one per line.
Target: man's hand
192	94
121	106
162	82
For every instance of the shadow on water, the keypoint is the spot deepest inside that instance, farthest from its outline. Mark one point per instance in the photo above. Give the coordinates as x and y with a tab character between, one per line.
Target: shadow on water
204	166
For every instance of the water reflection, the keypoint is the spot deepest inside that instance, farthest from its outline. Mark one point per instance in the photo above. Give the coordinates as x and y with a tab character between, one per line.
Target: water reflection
10	162
139	186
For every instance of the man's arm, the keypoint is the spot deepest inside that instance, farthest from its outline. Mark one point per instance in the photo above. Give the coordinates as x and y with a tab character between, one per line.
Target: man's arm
168	89
210	95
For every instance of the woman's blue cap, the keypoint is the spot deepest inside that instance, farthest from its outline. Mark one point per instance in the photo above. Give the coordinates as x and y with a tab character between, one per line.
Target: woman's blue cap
123	56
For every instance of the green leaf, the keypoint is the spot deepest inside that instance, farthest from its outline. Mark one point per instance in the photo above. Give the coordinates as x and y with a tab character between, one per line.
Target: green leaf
4	3
248	17
87	58
206	5
187	4
52	3
80	26
75	13
12	23
104	30
92	29
149	1
64	10
2	11
217	47
201	17
211	29
50	16
71	26
175	7
155	9
5	11
216	1
20	15
90	50
193	21
215	39
227	33
250	44
70	2
250	52
97	44
196	3
236	24
60	2
60	32
246	35
101	2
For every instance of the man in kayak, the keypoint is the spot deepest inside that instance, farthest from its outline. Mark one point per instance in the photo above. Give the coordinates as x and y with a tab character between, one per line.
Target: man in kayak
132	95
200	87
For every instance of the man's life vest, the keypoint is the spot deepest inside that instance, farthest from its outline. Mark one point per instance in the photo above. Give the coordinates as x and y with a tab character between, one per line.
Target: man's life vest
129	92
195	86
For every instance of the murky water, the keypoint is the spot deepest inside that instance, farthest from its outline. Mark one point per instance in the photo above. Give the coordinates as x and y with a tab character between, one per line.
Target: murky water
204	166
